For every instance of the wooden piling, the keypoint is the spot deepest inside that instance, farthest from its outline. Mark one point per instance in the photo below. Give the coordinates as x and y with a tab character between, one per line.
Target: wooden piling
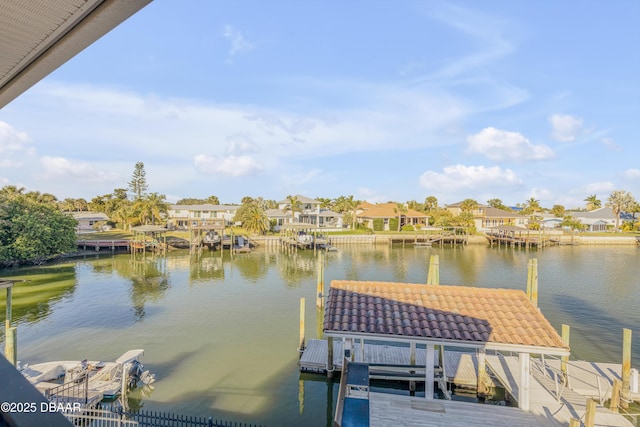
302	340
590	414
625	392
566	330
330	357
532	280
433	276
482	373
614	403
11	345
319	283
574	422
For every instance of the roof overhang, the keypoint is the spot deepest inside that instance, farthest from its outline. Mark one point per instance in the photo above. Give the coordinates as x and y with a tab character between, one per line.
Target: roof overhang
38	37
476	345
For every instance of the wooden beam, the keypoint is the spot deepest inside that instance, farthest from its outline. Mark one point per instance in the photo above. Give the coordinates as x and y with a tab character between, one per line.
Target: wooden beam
566	330
625	393
429	372
525	368
302	315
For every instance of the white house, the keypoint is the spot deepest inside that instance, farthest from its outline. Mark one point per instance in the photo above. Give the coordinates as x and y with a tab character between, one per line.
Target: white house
185	216
89	222
309	212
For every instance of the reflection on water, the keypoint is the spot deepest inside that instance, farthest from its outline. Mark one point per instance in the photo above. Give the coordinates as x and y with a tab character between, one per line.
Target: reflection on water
221	332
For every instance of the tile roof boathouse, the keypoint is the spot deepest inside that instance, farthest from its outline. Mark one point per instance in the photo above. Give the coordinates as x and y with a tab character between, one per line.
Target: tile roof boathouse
456	316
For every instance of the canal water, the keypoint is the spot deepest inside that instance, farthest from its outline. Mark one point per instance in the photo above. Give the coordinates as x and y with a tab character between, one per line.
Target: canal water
221	332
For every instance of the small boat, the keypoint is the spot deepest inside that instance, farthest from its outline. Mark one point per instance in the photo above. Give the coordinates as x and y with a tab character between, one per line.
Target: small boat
104	379
211	238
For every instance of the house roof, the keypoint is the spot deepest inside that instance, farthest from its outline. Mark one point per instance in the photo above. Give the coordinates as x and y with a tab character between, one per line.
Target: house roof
388	210
38	37
492	212
90	216
204	207
605	213
301	199
276	213
481	317
458	204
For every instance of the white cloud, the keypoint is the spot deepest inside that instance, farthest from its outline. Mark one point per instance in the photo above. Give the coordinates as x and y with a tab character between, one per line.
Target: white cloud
371	196
600	187
236	39
566	128
13	146
459	177
632	173
499	145
611	144
228	165
59	167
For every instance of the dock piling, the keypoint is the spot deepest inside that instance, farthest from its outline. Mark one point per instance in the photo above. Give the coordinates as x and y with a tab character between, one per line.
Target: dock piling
302	314
433	277
625	393
566	330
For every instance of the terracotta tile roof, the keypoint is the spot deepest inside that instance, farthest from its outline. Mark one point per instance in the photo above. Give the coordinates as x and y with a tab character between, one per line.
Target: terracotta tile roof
474	315
387	210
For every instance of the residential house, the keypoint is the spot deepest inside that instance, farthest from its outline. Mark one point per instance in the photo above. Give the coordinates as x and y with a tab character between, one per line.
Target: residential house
598	219
485	216
89	222
366	213
309	212
185	216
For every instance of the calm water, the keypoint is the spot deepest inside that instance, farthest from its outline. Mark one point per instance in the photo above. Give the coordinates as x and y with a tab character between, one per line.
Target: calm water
221	333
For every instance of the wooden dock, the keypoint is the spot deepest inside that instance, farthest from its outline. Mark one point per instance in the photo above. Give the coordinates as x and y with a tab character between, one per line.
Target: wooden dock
405	411
545	399
98	245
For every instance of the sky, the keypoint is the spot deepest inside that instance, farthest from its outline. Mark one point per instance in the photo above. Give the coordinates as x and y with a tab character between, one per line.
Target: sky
383	100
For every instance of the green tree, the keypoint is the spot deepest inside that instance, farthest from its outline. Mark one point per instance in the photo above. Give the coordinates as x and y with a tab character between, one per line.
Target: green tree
593	202
32	228
151	208
252	217
213	200
572	223
468	205
620	201
531	206
430	203
400	210
294	206
497	203
558	211
138	184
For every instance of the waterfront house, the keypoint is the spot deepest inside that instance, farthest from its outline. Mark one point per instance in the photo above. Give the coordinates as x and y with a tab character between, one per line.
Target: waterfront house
485	216
182	217
599	219
309	212
89	222
366	213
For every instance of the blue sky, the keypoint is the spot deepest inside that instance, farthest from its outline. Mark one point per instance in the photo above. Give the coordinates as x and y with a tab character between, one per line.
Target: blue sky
383	100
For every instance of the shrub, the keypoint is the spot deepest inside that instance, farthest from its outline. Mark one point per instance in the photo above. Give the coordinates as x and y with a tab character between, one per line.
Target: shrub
393	224
407	227
378	224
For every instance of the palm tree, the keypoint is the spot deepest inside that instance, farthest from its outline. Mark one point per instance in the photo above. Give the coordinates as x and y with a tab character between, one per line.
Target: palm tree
620	201
468	205
150	208
592	202
400	210
254	219
430	203
293	206
532	206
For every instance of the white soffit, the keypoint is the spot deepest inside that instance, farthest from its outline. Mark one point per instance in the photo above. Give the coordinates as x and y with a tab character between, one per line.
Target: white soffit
37	36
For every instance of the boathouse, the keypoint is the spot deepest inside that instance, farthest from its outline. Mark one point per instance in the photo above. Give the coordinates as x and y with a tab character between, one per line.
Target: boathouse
480	319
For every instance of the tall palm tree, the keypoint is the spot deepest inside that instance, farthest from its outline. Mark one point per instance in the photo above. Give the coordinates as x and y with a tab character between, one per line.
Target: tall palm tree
400	210
620	201
293	206
254	219
592	202
532	206
151	207
468	205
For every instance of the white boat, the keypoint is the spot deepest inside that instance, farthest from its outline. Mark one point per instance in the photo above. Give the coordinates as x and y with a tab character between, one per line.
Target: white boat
104	379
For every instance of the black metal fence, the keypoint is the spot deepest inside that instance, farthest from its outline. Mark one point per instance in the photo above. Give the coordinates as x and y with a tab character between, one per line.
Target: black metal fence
115	416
